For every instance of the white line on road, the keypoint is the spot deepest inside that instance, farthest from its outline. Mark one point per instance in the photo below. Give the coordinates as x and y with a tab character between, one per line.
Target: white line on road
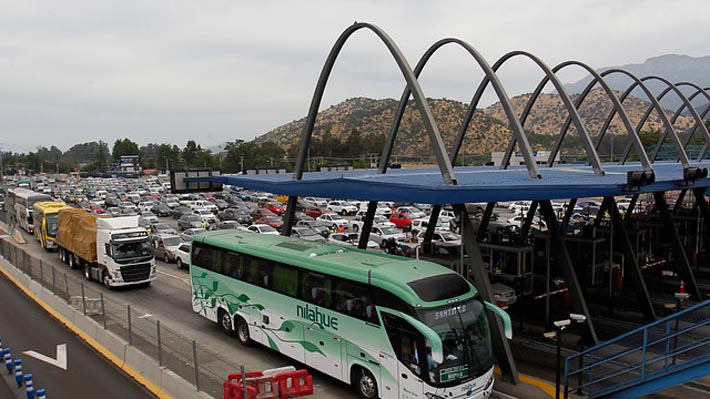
60	361
183	279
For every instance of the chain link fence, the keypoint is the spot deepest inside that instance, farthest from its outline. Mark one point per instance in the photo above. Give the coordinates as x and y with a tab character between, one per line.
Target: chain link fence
205	369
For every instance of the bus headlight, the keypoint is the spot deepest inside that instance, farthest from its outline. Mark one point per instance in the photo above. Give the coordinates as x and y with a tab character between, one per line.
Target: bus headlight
489	383
430	395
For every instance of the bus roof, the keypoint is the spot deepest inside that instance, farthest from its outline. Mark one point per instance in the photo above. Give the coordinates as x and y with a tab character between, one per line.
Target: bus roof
49	206
389	272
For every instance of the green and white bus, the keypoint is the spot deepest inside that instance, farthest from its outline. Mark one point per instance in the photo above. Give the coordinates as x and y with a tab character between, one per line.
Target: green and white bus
393	327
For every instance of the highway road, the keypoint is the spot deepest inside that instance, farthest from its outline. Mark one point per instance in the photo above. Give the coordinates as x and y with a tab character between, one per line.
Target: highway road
83	374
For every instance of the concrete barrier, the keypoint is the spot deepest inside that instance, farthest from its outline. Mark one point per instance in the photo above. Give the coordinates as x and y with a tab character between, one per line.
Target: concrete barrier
160	381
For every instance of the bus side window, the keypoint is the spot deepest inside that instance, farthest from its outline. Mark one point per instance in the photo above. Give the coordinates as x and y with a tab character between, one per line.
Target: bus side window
232	266
316	289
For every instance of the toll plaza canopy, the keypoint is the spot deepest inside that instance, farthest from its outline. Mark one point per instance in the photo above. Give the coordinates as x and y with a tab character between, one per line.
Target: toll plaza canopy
474	183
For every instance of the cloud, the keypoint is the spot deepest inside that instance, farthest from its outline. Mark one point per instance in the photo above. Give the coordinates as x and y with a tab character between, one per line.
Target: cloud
170	71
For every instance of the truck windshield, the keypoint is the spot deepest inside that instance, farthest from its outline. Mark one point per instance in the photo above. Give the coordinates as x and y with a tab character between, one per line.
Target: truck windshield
465	338
52	223
132	249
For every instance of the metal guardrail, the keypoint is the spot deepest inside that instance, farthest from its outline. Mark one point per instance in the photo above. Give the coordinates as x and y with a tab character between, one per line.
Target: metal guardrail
203	368
673	344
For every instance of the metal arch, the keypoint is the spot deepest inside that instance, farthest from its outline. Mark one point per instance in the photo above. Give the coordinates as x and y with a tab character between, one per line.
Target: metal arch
515	124
675	117
684	99
596	164
704	92
446	169
634	133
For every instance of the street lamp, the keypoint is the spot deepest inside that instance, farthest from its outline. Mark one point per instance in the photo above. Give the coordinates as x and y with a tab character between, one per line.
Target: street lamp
580	319
560	325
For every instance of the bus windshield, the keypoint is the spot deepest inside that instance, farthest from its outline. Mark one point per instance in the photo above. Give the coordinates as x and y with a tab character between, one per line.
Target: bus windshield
52	220
465	338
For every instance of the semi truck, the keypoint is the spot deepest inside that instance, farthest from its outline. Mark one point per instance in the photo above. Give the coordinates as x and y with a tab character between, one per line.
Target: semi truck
114	251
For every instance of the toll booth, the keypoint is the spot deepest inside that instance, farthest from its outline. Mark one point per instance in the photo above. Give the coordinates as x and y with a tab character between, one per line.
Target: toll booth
511	264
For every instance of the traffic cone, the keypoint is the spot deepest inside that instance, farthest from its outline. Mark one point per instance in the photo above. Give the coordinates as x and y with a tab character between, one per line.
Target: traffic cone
682	287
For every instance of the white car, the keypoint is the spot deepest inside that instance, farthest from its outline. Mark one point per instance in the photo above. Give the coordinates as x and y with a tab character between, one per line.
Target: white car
378	220
537	223
380	234
334	220
519	206
412	212
342	207
205	214
421	224
349	240
263	229
149	216
182	255
317	201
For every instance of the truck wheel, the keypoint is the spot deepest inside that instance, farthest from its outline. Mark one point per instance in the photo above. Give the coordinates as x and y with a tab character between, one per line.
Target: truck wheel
87	272
105	279
364	383
225	322
243	332
179	263
61	254
72	261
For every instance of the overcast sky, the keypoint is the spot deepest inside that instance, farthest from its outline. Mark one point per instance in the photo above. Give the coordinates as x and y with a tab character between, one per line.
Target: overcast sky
216	71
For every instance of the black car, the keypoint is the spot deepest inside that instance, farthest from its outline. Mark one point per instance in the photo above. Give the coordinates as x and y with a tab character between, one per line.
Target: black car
179	211
240	215
189	221
161	210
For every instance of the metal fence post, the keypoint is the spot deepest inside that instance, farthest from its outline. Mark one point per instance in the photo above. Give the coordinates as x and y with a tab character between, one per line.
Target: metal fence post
83	299
66	286
160	352
197	370
130	332
103	309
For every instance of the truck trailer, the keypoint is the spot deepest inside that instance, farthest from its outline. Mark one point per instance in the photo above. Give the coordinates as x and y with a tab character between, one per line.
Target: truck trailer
114	251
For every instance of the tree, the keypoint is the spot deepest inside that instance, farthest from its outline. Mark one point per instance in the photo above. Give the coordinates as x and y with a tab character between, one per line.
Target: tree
189	153
124	147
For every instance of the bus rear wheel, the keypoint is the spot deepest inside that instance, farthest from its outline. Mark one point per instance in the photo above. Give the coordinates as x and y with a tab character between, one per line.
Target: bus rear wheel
364	383
225	322
243	332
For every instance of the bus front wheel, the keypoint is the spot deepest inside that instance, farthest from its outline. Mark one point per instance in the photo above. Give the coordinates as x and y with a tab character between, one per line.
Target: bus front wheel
364	383
243	332
225	322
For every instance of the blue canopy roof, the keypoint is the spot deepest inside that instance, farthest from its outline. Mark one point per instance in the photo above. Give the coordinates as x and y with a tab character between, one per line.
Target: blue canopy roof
475	183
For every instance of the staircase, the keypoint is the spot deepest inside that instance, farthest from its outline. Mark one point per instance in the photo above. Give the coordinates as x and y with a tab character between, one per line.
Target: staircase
666	353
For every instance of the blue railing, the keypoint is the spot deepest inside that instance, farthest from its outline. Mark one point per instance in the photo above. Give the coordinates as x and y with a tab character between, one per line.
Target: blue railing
665	353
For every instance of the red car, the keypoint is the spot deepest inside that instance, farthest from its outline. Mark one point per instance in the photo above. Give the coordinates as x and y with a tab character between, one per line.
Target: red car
259	213
274	206
96	208
272	221
401	219
313	211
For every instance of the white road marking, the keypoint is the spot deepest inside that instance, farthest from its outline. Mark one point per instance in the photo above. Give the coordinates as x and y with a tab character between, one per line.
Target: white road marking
183	279
60	361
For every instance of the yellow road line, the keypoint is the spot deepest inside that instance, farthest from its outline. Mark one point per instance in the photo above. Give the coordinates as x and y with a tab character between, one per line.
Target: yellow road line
157	391
543	385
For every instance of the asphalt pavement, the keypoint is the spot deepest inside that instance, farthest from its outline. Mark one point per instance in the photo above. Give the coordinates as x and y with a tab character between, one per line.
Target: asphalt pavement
27	327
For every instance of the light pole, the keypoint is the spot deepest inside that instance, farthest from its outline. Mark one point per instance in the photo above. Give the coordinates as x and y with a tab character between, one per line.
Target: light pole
560	325
580	319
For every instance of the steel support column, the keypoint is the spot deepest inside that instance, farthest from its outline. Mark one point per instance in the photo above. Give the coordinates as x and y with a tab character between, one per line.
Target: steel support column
557	244
483	227
431	227
703	207
682	263
631	265
501	346
367	225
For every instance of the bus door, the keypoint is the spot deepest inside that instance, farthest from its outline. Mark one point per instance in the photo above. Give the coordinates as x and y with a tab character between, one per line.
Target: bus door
409	348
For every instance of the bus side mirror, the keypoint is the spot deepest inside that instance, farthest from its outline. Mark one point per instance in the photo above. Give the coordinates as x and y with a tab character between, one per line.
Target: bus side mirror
507	324
437	350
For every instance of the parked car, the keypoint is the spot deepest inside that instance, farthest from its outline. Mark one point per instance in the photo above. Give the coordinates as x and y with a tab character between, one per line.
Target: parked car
317	201
313	211
334	220
191	232
358	221
237	214
349	240
443	242
221	204
412	211
421	224
537	223
342	207
379	234
149	216
320	227
273	221
259	213
402	219
189	221
230	225
113	211
306	233
162	228
263	229
205	214
274	206
182	255
178	211
165	246
161	210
